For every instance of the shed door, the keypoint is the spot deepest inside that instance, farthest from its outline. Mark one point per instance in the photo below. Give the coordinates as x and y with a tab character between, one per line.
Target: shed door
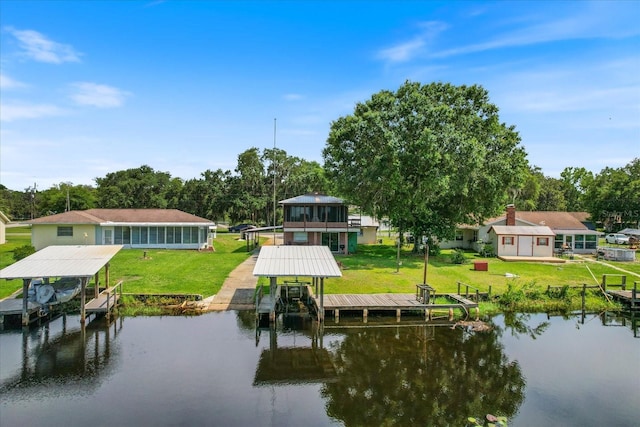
525	246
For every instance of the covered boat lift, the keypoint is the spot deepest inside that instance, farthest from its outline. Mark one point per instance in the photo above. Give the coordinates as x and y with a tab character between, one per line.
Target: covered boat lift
316	262
82	261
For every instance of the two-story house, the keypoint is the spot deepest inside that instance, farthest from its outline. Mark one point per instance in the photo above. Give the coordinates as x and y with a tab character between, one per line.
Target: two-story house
318	219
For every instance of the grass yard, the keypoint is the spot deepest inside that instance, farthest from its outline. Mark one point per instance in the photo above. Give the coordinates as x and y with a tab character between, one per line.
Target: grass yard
176	271
7	287
373	270
163	271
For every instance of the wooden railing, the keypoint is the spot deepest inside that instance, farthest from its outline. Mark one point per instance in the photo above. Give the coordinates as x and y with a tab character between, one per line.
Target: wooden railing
477	292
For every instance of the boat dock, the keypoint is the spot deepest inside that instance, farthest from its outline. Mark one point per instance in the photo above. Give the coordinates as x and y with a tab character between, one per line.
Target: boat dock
105	302
628	297
15	307
398	303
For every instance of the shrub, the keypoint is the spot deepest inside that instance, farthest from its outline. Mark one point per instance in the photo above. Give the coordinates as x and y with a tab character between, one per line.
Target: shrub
457	257
23	251
487	250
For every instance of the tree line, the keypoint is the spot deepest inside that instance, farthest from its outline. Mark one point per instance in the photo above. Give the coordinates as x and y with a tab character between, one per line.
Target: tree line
428	157
246	194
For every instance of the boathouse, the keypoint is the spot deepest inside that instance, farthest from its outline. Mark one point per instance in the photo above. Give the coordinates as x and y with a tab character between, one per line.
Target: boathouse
294	262
55	262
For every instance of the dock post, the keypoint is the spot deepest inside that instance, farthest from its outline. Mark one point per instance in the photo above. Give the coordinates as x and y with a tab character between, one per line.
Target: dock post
398	315
25	302
365	313
336	314
450	313
108	307
83	299
584	293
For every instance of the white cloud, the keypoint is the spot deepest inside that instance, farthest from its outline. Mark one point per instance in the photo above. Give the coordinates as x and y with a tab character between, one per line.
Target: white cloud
39	48
7	82
97	95
407	50
12	112
596	21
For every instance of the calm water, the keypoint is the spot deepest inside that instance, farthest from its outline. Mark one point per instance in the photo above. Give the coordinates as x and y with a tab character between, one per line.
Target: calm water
217	370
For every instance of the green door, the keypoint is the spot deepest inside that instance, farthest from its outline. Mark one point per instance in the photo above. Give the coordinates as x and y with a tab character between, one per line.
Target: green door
353	242
331	240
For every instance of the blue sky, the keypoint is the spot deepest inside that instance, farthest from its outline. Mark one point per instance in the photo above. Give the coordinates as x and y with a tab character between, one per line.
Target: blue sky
92	87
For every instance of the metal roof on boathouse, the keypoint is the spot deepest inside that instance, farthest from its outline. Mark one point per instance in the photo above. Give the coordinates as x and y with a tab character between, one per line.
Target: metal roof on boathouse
304	261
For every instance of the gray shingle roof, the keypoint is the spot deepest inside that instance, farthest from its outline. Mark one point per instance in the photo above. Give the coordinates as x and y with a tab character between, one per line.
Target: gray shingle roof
128	216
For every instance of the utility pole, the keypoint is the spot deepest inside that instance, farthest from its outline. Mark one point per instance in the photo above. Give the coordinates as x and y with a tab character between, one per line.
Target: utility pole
273	166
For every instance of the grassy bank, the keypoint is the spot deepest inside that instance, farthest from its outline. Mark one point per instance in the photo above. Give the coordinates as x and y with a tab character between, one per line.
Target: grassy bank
373	269
161	271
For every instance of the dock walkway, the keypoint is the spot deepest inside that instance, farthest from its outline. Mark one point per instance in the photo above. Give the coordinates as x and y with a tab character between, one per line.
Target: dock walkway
106	301
390	302
629	297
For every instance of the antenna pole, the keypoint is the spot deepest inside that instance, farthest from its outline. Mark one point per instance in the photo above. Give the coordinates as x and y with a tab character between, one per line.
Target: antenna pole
274	181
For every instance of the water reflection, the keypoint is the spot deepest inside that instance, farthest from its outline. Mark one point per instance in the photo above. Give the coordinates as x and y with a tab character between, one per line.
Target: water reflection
424	375
294	364
219	369
59	357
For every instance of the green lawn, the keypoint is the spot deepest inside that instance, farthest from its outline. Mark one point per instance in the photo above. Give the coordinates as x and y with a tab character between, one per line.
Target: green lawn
163	271
371	270
7	287
178	271
374	269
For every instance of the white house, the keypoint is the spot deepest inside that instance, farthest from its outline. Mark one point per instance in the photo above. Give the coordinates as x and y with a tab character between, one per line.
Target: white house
132	228
368	225
522	241
4	220
569	231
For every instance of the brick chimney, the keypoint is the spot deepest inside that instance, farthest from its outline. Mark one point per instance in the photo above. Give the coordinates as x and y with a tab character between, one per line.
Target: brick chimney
511	214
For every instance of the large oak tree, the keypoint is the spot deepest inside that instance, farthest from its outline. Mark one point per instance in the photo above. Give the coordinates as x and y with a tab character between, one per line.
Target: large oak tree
427	156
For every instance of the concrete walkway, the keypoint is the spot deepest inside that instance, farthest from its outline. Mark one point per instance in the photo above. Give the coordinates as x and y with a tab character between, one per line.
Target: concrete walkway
237	290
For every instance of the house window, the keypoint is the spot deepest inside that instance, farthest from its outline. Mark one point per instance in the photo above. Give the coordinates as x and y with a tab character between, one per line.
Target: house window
122	235
591	241
336	214
559	241
299	213
459	236
300	237
543	241
65	231
507	240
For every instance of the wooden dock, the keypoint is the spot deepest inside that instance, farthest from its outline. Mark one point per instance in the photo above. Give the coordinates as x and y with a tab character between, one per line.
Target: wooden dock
628	297
399	303
105	302
14	307
266	304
